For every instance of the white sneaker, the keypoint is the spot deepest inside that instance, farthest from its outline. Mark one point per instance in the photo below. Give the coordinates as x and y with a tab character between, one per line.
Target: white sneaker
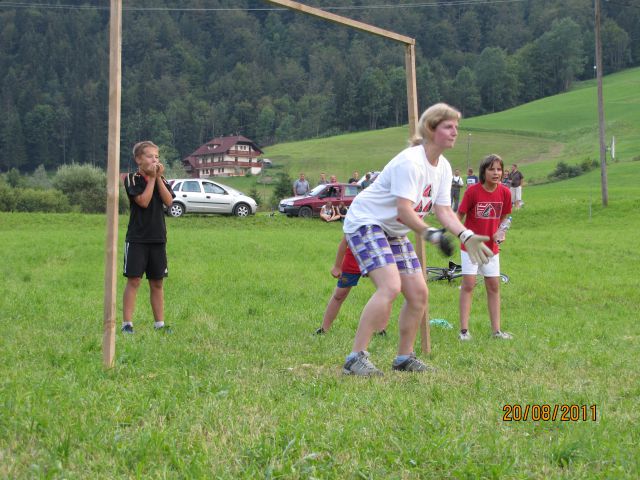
464	336
503	335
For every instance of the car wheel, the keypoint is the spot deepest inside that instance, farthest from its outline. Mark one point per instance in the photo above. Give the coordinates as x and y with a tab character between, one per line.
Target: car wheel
176	210
242	210
305	212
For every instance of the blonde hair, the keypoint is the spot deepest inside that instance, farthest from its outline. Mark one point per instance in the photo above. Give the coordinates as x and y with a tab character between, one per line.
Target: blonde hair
430	119
139	147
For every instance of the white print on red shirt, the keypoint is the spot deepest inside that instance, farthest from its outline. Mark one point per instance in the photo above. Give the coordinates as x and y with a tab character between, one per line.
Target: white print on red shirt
489	210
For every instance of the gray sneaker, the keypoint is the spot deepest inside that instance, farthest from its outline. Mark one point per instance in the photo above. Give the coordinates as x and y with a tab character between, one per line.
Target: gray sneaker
412	364
361	366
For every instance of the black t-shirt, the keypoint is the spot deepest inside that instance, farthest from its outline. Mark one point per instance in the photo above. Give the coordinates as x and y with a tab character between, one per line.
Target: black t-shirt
146	225
516	178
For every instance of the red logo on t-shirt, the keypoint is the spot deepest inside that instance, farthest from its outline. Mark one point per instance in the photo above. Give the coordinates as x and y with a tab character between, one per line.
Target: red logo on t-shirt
425	204
488	209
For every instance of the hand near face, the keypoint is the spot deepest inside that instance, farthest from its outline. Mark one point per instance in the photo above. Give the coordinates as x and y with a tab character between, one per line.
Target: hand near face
160	169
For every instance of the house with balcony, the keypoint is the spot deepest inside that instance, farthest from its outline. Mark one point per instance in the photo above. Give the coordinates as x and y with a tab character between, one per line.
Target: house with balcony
224	157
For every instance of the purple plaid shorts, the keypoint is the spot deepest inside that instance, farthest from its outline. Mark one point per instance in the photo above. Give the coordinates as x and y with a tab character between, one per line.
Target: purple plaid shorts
373	248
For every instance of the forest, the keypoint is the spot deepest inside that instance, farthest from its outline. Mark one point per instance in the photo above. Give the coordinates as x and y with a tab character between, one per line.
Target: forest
196	69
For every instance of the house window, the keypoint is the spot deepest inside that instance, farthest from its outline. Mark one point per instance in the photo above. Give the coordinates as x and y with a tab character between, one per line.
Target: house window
236	159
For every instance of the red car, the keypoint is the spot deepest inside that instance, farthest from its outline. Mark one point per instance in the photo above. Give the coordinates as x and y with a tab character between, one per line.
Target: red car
310	204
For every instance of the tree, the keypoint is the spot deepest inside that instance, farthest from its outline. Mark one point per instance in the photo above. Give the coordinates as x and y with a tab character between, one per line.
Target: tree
469	32
39	134
496	82
265	129
561	55
13	152
374	95
465	94
615	47
282	189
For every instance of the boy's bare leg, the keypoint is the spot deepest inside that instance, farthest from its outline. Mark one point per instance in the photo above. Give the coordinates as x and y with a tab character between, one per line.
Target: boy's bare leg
378	309
129	298
466	296
416	297
492	285
156	295
333	307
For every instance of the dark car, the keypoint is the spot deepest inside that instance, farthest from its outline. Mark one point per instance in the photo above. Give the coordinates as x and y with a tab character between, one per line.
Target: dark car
309	205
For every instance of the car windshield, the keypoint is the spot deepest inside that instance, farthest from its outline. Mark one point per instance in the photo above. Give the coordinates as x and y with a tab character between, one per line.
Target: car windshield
317	190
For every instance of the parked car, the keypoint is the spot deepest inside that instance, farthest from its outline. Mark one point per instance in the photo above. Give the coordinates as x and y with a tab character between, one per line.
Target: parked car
200	195
309	205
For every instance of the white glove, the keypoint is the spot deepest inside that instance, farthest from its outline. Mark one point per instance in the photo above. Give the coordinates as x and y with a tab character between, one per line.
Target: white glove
478	252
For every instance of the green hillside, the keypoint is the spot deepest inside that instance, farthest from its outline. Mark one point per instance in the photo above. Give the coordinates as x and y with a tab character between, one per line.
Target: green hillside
536	135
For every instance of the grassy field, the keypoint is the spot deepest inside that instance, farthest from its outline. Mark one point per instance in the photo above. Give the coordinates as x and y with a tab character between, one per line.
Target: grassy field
242	389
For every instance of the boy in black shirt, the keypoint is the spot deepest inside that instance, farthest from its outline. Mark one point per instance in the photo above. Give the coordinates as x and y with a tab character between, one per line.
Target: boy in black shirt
145	245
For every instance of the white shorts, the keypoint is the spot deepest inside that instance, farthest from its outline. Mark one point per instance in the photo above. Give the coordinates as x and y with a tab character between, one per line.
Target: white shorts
516	194
491	269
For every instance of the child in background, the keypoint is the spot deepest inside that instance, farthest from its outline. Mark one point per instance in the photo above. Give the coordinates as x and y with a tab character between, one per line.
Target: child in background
346	270
484	206
145	249
329	213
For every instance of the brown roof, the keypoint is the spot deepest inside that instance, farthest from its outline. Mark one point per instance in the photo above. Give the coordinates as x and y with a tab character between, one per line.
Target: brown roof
223	145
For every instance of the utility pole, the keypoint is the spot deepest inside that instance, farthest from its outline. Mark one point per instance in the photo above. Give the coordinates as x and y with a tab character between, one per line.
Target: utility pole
603	146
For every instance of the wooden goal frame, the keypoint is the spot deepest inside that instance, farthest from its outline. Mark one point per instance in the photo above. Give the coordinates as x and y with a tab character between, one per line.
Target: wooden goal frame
113	155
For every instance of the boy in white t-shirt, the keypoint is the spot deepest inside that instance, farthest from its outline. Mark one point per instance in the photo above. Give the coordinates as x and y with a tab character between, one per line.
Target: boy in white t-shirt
412	184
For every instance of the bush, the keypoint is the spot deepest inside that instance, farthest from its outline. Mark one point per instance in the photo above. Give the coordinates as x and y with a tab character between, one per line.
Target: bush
283	189
7	197
84	185
253	193
564	170
14	179
36	200
39	179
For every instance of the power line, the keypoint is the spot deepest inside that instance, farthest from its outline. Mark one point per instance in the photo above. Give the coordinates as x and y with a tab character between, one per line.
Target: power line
50	6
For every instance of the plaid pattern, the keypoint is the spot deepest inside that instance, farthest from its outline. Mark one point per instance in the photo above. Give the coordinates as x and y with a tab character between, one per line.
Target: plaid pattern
373	248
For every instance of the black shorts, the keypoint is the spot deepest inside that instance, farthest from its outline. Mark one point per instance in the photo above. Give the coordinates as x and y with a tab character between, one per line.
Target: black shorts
149	258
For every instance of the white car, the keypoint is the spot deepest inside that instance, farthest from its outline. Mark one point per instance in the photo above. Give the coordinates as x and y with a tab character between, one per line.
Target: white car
199	195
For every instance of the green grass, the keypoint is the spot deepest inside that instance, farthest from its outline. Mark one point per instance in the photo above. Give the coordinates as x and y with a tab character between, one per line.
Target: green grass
243	390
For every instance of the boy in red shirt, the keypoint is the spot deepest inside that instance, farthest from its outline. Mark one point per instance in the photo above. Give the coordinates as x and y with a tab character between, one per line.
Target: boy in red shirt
484	206
347	271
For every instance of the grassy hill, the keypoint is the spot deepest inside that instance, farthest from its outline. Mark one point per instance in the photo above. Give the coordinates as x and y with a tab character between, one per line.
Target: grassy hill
536	136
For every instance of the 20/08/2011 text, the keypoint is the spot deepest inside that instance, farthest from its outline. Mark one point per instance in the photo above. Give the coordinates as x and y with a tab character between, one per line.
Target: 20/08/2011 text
547	412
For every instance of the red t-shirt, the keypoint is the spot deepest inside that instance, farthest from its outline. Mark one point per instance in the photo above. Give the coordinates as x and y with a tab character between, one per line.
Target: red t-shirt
349	263
484	210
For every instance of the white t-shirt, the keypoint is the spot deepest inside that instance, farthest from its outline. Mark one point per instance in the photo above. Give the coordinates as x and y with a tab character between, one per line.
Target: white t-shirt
408	175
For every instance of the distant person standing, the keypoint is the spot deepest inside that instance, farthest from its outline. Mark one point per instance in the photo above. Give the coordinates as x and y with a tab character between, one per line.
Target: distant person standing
367	181
471	178
515	183
323	179
355	178
300	186
456	185
333	179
